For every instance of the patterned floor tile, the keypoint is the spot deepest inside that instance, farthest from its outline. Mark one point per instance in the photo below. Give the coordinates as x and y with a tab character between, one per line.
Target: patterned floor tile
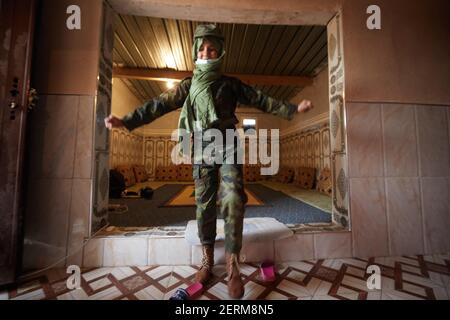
328	263
107	294
294	289
4	295
387	283
158	272
355	272
150	293
122	272
274	295
414	289
302	266
96	273
337	264
78	294
349	296
184	271
345	292
247	269
440	259
446	280
323	289
252	290
409	277
412	270
397	295
440	294
31	295
355	283
98	284
59	287
142	268
374	295
134	282
433	281
407	260
326	274
355	263
281	267
296	275
327	297
220	291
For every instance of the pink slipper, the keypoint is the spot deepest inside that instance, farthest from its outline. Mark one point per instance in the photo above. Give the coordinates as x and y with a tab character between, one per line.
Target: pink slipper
194	290
267	271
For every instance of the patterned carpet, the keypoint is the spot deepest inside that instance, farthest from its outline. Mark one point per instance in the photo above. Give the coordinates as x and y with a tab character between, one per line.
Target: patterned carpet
411	277
186	198
149	213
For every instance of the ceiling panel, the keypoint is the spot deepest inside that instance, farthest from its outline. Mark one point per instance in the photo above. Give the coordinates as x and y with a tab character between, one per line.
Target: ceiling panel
157	43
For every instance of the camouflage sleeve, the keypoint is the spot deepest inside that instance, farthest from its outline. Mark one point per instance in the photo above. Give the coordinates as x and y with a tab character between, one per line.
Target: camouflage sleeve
250	96
156	107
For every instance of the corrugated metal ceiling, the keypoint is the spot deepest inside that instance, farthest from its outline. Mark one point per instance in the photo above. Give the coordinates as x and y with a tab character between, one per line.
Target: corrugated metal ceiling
250	49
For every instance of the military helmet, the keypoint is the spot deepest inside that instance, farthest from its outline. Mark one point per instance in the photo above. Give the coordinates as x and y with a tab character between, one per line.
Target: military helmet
213	33
208	30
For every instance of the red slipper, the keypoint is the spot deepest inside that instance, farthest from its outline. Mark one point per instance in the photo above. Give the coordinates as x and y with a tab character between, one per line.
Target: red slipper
267	271
194	290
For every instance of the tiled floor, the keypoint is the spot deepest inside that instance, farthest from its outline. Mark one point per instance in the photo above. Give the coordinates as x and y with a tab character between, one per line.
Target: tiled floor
412	277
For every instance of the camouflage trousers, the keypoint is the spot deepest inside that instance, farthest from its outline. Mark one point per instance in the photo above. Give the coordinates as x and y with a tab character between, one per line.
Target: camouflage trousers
222	184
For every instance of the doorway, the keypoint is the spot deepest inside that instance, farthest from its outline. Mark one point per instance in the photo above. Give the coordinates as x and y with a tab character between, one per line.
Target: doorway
150	146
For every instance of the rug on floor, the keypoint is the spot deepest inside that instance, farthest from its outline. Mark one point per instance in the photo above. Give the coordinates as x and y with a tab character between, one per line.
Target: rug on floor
149	213
186	198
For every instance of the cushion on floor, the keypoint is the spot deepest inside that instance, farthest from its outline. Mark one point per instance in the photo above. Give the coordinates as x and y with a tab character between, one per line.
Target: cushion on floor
168	173
184	172
140	174
128	175
285	175
324	183
304	177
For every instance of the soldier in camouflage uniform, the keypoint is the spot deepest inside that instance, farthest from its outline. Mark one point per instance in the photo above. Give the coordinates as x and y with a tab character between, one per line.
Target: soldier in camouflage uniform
209	100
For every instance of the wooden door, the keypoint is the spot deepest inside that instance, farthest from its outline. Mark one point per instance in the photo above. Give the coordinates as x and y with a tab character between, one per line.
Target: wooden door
16	34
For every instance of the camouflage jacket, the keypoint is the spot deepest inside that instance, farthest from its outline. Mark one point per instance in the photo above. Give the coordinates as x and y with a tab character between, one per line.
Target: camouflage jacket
227	92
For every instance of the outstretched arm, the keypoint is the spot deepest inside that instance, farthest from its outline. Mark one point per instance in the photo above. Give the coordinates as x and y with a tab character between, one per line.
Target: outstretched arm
152	109
253	97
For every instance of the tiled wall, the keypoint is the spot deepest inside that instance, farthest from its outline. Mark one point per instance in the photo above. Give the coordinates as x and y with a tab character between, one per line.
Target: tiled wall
152	250
307	148
126	148
399	171
59	179
64	149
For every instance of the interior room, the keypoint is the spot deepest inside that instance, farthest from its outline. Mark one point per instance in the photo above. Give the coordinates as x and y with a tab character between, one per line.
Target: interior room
151	55
363	187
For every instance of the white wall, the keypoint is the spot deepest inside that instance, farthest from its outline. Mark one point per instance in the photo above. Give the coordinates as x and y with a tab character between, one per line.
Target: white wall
318	94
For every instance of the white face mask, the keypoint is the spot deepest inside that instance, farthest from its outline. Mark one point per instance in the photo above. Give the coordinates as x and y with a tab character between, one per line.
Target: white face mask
203	61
